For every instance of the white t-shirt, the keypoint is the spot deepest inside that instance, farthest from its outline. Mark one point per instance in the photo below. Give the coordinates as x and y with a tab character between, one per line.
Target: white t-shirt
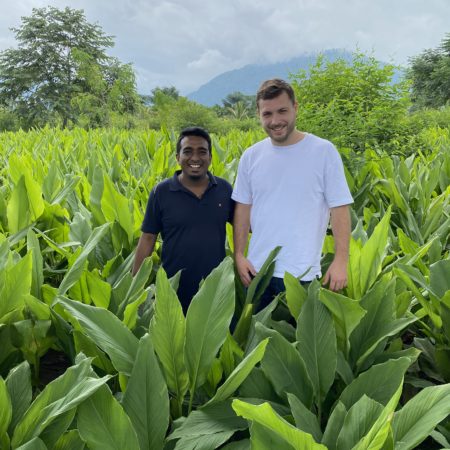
291	190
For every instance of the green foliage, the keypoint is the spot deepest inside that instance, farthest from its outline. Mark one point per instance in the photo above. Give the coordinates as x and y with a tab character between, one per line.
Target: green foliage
332	376
352	104
8	120
238	106
430	73
60	73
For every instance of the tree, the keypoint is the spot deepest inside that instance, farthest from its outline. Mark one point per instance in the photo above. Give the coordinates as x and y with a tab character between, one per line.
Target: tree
238	105
353	104
60	64
159	92
430	76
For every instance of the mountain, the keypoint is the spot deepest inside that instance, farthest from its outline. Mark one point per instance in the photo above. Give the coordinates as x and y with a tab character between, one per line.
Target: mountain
248	78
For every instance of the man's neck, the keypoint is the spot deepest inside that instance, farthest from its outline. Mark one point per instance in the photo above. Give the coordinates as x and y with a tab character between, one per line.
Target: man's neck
295	137
193	183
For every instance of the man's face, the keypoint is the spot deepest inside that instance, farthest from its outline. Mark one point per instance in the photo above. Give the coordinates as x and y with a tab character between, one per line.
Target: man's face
277	117
194	157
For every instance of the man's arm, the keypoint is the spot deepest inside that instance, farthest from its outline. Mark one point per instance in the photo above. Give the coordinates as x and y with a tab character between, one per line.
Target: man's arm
336	275
241	228
144	248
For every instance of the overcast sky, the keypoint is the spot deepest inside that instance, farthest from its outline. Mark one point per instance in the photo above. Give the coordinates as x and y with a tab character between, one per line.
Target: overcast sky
185	43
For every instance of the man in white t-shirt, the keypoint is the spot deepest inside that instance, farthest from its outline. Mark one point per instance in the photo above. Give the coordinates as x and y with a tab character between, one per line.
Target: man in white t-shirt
288	188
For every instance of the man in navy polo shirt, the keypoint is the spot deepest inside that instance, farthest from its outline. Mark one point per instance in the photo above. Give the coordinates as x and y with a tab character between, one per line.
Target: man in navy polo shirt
190	210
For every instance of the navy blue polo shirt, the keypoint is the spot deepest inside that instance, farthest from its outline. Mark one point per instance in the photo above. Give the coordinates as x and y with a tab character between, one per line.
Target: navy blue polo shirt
192	229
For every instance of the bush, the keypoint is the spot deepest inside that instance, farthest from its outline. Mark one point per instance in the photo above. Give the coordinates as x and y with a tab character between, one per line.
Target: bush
354	104
8	120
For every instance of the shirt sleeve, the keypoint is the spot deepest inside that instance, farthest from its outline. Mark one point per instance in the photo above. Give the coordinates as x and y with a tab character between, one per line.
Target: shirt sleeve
242	192
152	218
337	192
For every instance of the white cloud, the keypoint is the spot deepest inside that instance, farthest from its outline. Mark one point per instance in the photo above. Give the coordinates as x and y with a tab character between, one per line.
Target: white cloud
186	43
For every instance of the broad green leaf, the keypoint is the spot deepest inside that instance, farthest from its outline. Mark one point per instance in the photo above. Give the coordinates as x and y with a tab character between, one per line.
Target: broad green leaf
366	260
445	315
440	277
240	373
354	269
116	207
37	278
381	428
317	343
358	421
84	344
70	184
16	285
33	444
136	289
343	368
378	324
284	367
347	314
214	377
104	425
261	278
305	420
25	205
99	290
96	195
70	440
18	383
412	353
33	338
415	421
229	354
107	331
203	442
256	385
334	426
168	331
373	253
6	408
295	294
74	273
146	400
406	273
58	397
210	419
238	445
131	313
380	382
264	317
37	308
263	438
207	322
57	428
80	229
266	416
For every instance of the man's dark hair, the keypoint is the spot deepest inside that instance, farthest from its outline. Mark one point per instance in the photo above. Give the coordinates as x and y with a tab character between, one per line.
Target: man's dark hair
194	131
270	89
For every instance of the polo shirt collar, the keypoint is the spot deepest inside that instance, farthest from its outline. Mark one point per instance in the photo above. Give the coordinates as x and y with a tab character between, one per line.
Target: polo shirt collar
175	184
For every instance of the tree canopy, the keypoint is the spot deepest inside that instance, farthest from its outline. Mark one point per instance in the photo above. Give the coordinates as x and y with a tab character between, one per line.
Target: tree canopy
60	70
354	103
430	76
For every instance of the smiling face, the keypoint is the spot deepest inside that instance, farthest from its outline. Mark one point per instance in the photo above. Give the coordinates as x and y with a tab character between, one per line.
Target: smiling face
194	157
277	116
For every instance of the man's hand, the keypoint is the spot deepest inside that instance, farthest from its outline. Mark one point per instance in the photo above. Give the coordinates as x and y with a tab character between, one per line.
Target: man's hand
245	269
336	276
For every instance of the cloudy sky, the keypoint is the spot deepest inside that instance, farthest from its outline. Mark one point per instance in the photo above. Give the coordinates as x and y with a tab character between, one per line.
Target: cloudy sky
185	43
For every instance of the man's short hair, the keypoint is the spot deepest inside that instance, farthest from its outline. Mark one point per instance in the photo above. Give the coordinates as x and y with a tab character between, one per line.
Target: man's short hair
194	131
270	89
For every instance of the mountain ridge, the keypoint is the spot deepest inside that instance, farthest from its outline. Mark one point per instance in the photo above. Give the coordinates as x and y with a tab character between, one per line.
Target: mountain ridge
248	78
